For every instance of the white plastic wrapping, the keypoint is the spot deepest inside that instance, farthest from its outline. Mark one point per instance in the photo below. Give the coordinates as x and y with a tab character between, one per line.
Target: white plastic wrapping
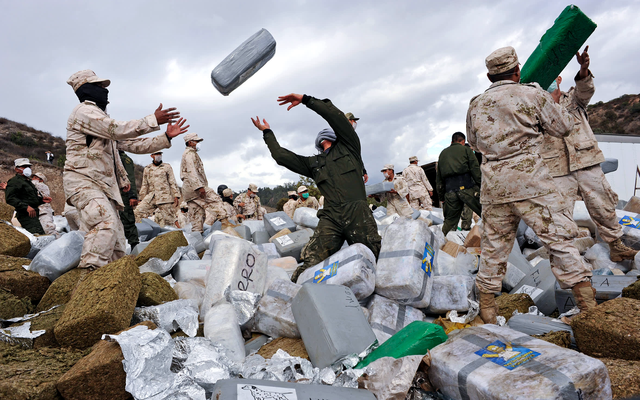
463	264
387	317
187	270
353	266
379	213
60	256
450	292
61	223
221	326
439	238
582	218
40	243
273	273
276	221
405	263
20	335
599	256
254	226
288	264
274	316
171	316
269	249
378	188
191	290
457	237
307	217
512	277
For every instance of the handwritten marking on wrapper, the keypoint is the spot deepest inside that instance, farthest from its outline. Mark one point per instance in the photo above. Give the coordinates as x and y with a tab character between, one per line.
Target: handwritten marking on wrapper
507	355
246	272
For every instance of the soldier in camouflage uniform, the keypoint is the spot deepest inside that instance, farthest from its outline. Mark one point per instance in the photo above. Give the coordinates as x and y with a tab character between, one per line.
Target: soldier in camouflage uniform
306	200
290	206
337	171
93	171
507	124
159	192
45	210
247	204
396	198
183	215
420	190
574	163
24	197
229	218
130	200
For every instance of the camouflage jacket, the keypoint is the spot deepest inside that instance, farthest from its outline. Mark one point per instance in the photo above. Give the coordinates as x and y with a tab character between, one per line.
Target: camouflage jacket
93	165
580	149
310	202
251	205
192	174
44	191
159	184
290	207
506	124
417	181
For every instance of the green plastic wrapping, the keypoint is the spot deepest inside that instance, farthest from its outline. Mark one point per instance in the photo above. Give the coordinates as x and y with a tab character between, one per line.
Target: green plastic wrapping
557	47
417	338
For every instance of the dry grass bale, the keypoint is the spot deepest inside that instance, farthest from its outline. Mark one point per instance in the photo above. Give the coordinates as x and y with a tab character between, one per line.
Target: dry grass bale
12	306
294	347
12	242
559	338
102	303
632	291
99	375
612	329
625	377
155	290
6	211
162	247
60	290
19	281
508	303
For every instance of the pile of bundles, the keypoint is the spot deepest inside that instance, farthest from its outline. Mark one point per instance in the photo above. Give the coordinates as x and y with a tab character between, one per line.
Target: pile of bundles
215	316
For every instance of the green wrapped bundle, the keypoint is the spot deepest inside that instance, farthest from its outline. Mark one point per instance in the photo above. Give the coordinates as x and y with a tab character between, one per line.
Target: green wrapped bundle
557	47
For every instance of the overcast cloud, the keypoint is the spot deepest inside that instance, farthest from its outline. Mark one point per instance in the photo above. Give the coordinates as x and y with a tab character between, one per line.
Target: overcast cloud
406	68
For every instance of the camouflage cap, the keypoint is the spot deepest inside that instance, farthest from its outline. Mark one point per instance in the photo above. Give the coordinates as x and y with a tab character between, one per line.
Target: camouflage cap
41	176
386	167
302	189
86	76
22	162
192	136
157	152
227	192
351	117
413	158
253	188
291	193
501	60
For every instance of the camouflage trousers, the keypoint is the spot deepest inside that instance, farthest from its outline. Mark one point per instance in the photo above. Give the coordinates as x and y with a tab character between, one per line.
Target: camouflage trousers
550	219
104	241
454	203
46	219
398	205
73	218
214	212
197	214
165	213
421	203
352	222
590	185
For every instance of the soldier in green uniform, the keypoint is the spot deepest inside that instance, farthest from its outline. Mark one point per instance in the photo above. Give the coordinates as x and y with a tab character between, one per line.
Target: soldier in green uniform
130	200
22	194
458	181
338	172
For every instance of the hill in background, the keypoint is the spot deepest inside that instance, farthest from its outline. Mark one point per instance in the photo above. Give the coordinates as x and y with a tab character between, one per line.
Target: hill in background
621	115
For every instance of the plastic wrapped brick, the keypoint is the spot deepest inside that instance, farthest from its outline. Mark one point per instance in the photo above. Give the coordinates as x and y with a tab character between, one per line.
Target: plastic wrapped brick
494	362
59	256
269	249
221	326
353	266
291	245
288	264
387	317
462	264
274	316
254	389
195	239
275	272
537	325
191	290
187	270
277	221
539	284
379	213
607	287
254	226
379	188
243	62
450	292
405	263
609	165
307	217
260	237
599	256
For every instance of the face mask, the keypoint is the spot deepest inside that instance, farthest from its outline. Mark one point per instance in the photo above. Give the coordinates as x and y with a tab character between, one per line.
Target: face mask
198	147
553	87
157	159
252	195
387	175
26	172
354	124
305	195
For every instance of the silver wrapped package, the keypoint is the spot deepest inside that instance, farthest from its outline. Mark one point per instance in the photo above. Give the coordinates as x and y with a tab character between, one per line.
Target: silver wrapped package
307	217
405	263
387	317
60	256
171	316
353	267
163	268
244	303
221	326
274	316
254	389
20	335
235	265
195	239
450	292
243	62
391	378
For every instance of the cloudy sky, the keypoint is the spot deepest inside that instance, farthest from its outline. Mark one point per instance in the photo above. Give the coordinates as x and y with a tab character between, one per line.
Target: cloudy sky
407	68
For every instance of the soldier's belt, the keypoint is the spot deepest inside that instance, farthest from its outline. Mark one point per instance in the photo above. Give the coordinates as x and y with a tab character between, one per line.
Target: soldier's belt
460	182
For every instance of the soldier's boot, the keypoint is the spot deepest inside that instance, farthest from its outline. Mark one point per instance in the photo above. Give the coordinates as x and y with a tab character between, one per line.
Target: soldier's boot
488	308
585	296
620	251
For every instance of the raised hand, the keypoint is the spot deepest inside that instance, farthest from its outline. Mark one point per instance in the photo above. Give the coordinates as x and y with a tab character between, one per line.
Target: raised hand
584	61
166	115
292	98
176	129
262	126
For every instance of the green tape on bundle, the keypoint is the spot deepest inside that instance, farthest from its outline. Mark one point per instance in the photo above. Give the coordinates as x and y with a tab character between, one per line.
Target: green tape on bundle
557	47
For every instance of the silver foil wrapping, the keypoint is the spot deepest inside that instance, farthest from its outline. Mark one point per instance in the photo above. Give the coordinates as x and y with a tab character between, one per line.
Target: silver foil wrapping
474	310
245	304
163	268
20	335
178	314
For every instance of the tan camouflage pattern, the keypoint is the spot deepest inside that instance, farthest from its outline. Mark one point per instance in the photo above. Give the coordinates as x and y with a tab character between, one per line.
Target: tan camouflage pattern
579	149
158	192
200	209
252	207
217	211
310	202
419	187
196	215
550	219
290	207
397	202
192	174
183	219
506	124
72	216
591	185
165	214
45	211
229	209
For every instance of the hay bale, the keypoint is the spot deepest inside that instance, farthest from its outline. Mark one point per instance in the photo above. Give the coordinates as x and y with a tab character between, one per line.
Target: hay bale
6	211
295	348
12	306
559	338
162	247
60	290
12	242
102	303
632	291
99	375
611	329
624	376
508	303
33	373
19	281
155	290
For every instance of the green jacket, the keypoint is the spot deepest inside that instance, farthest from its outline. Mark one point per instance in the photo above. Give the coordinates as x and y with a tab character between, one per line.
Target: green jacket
456	160
21	193
129	166
338	172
